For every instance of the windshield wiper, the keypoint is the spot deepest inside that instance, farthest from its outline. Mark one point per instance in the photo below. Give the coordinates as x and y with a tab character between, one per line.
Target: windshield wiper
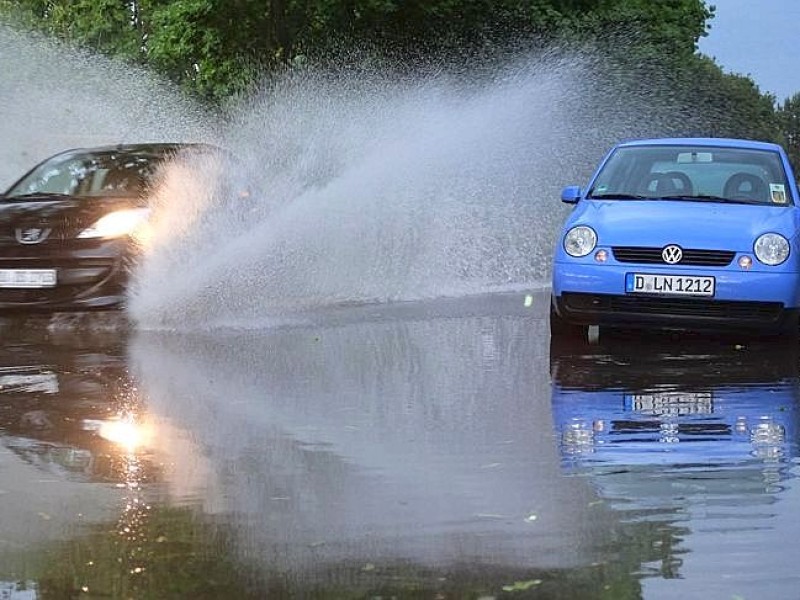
710	198
610	196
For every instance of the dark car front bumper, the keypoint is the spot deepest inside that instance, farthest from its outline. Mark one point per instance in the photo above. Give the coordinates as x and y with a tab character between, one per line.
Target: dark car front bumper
90	275
674	313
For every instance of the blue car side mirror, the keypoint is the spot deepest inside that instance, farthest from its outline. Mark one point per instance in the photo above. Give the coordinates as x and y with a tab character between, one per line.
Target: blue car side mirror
571	194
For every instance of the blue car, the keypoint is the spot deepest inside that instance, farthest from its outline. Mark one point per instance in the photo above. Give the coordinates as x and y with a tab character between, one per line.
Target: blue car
687	233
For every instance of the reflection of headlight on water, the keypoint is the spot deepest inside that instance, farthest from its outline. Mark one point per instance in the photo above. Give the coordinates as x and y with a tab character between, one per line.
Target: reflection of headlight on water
741	425
767	438
124	432
577	437
766	431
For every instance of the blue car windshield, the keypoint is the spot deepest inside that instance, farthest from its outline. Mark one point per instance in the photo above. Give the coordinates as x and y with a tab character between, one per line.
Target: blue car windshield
693	173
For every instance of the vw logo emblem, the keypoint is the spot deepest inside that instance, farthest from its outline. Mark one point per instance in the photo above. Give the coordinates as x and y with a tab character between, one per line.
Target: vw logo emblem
31	235
672	254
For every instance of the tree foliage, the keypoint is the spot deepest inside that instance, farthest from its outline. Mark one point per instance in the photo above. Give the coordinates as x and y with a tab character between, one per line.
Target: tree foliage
215	48
789	120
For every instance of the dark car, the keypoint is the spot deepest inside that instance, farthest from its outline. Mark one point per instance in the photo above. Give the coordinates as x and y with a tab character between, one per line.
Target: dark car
67	227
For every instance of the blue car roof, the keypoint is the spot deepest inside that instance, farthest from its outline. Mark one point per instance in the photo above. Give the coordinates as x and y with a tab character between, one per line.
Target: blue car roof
716	142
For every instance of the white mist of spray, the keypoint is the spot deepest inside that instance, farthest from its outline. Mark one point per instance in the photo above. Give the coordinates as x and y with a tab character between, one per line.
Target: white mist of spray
53	98
367	188
364	186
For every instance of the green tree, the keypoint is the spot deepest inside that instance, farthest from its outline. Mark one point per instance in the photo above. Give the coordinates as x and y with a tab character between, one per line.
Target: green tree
732	104
213	47
789	119
645	29
110	26
216	47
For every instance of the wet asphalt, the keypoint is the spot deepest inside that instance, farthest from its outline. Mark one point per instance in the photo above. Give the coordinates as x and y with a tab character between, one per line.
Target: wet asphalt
432	449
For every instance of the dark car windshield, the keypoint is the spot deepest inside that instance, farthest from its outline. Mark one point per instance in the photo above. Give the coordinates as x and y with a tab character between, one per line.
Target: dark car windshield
109	173
693	173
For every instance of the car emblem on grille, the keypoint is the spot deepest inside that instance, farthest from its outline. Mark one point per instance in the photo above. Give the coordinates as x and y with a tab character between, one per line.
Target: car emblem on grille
672	254
32	235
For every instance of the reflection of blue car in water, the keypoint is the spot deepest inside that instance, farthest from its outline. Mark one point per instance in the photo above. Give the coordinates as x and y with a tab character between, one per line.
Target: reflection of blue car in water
705	408
656	426
694	448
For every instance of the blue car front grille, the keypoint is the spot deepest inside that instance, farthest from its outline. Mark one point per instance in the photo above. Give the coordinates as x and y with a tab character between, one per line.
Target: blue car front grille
643	255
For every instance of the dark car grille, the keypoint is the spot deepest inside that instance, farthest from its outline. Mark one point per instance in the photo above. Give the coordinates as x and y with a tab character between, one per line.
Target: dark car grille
87	270
74	279
705	258
682	307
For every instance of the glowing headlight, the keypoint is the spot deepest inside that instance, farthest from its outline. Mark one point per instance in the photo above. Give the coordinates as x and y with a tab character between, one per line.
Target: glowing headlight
577	437
771	249
116	224
580	241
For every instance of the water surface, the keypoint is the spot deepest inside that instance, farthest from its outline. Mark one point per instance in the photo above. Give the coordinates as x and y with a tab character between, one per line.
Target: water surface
412	449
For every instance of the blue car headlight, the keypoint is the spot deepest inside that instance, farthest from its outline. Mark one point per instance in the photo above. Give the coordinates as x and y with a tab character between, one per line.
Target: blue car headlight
771	249
580	241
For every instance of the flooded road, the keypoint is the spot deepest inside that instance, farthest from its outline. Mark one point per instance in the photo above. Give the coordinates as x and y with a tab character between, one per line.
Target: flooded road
436	449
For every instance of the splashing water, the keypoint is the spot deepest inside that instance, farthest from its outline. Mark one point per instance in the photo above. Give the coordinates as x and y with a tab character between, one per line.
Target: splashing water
369	189
53	98
362	185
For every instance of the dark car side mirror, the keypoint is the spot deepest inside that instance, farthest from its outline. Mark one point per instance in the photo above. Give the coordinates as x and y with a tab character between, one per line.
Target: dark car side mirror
571	194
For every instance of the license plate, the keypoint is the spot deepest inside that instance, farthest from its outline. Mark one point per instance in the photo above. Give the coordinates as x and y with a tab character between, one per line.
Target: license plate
27	278
674	285
671	403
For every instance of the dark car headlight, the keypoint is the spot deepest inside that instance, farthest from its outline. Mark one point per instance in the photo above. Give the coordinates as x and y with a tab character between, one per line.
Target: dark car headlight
117	224
771	249
580	241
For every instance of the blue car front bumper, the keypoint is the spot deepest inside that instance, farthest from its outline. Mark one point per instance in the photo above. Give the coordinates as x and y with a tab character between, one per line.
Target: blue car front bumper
592	294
